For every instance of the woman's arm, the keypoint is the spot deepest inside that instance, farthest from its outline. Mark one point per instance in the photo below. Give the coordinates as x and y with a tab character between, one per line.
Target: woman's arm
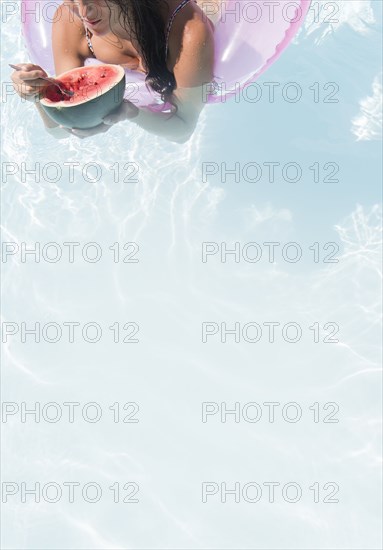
67	39
180	126
193	70
66	42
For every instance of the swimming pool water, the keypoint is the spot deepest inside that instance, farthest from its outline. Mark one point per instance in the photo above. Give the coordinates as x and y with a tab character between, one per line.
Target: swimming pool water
130	187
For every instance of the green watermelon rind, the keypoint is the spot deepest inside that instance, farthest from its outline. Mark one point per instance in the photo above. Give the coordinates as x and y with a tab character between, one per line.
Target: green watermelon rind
89	113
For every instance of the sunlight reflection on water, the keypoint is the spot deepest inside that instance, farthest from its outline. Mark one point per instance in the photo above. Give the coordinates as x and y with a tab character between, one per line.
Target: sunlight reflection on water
170	293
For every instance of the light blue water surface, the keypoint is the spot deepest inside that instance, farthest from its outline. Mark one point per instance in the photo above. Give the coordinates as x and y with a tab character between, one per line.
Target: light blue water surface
169	212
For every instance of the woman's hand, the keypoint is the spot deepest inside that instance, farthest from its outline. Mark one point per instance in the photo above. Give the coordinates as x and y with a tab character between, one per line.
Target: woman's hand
126	111
27	83
87	132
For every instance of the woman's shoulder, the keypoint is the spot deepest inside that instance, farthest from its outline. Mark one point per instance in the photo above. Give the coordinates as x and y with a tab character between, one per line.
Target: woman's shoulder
192	30
67	15
191	47
198	30
68	38
195	20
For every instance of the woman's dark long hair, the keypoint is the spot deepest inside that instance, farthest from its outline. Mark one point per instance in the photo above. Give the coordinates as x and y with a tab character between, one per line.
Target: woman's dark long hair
144	19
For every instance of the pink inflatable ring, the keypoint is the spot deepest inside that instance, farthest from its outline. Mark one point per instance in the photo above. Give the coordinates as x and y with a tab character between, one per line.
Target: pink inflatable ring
249	37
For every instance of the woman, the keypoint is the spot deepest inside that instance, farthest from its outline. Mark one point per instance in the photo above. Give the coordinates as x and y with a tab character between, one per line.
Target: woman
172	41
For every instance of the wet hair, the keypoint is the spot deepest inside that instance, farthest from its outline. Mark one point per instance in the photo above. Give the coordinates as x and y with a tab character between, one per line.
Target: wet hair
144	19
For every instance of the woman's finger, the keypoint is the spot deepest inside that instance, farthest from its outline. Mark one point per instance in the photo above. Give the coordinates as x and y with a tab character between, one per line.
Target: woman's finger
27	67
30	84
30	75
66	129
29	90
126	111
24	69
101	129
